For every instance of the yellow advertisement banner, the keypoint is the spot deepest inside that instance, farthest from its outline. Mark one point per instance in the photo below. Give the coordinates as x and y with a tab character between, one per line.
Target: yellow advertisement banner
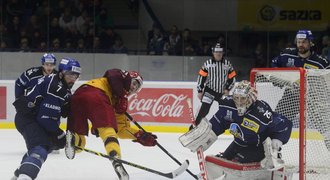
283	15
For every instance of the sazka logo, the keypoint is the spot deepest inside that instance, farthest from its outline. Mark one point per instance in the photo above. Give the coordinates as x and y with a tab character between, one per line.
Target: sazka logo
267	14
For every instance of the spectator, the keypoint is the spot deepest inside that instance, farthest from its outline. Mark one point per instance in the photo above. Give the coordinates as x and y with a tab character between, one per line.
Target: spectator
118	47
56	45
3	46
259	55
326	47
187	46
55	31
172	40
155	41
108	38
83	22
24	46
103	20
14	29
81	48
15	8
67	21
33	25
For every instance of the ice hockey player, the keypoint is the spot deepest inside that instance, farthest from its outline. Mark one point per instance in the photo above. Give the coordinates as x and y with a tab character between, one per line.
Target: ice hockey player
29	78
38	116
251	122
103	101
305	57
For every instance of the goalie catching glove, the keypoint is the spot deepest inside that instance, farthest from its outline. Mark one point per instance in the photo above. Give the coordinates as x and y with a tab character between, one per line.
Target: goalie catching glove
145	138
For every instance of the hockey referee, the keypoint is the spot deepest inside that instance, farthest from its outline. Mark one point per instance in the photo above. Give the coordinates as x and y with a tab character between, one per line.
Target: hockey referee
216	77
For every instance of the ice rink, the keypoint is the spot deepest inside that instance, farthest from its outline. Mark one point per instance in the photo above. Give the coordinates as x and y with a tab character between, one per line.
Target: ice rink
88	166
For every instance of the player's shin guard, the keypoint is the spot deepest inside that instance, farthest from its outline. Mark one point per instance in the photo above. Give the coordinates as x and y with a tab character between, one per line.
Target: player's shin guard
111	145
31	165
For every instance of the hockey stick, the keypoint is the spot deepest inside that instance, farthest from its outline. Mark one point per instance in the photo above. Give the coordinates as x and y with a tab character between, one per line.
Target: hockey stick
170	175
160	146
200	154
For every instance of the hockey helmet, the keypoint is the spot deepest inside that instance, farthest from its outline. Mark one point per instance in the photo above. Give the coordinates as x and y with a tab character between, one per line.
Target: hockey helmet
244	96
69	64
217	48
136	83
48	58
304	34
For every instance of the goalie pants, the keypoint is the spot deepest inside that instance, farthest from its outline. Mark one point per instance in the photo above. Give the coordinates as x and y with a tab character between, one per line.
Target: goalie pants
241	154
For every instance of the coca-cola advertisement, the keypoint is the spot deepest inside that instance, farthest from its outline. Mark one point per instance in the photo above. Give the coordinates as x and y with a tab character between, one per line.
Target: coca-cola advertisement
164	105
3	108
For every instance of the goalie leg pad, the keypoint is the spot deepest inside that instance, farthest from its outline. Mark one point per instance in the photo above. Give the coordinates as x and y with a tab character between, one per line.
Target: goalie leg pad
201	135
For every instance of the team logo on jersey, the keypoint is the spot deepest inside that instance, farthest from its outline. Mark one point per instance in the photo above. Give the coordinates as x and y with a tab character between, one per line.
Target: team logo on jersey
309	66
290	62
229	116
261	109
249	124
236	131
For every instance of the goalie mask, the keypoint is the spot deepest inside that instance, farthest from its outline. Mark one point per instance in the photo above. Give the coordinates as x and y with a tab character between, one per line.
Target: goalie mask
244	96
136	83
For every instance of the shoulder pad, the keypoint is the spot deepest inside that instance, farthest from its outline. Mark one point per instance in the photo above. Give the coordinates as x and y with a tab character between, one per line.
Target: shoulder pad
263	111
34	72
57	88
290	51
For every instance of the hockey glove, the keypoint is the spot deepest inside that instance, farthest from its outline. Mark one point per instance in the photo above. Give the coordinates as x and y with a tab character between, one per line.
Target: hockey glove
145	138
58	139
24	106
121	105
65	110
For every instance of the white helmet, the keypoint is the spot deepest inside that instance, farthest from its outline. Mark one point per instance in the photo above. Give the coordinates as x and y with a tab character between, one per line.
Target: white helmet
244	96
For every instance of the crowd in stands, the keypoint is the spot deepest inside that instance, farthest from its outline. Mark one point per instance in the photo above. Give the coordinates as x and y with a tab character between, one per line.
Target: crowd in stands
86	26
58	26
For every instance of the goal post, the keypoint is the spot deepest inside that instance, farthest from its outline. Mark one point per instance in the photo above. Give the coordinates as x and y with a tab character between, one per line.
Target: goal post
303	96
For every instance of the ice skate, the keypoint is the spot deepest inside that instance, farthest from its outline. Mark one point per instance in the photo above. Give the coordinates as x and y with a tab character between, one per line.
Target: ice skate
120	170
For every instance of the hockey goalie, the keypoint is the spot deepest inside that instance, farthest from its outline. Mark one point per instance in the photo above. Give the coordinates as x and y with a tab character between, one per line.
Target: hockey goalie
259	134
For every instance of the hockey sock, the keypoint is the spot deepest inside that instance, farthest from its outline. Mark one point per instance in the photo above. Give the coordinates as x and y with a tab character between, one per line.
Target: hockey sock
110	140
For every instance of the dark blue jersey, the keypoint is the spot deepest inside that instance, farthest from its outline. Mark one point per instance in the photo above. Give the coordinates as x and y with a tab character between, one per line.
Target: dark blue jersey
258	123
28	79
50	95
290	58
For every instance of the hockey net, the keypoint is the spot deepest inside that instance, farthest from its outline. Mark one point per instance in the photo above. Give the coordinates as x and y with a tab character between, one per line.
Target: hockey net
303	96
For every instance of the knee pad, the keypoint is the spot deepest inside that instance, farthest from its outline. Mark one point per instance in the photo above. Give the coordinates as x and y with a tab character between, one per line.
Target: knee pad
32	163
80	141
110	140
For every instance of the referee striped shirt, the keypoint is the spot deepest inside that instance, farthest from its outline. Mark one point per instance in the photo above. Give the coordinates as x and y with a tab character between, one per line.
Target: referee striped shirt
216	75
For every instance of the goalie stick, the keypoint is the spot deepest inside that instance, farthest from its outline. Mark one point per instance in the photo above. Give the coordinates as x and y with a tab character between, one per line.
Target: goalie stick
200	154
160	146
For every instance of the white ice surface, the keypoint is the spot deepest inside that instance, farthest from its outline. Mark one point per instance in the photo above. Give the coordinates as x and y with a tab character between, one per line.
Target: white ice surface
88	166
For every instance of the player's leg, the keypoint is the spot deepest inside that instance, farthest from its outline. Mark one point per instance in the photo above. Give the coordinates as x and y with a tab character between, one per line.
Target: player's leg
38	143
111	144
